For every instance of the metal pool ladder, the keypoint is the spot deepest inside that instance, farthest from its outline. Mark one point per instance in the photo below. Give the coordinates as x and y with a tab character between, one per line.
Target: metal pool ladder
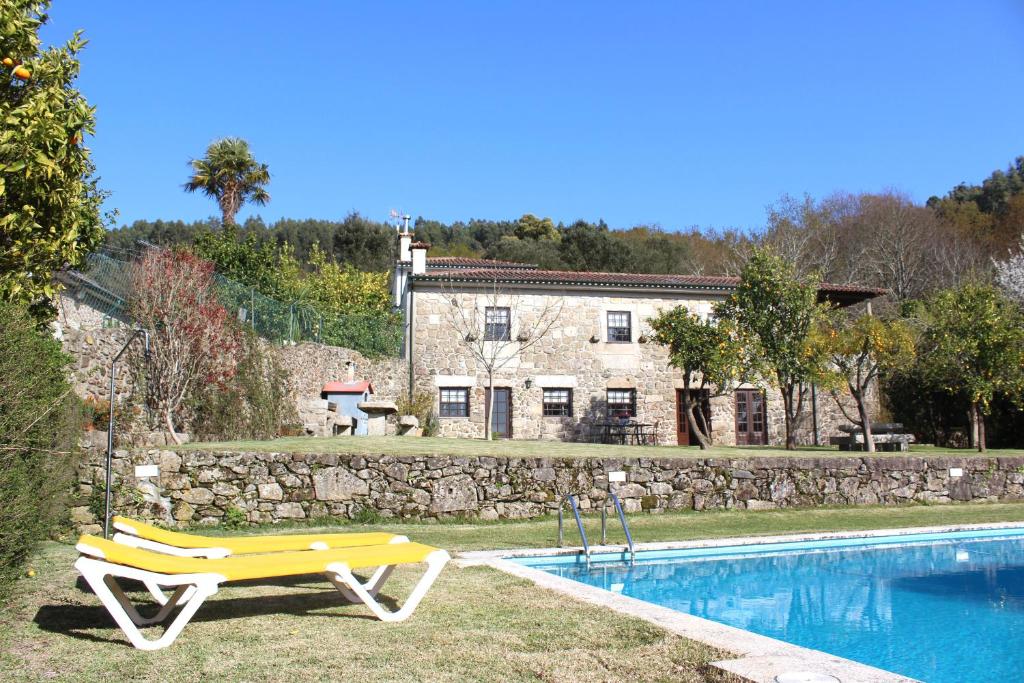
622	519
574	506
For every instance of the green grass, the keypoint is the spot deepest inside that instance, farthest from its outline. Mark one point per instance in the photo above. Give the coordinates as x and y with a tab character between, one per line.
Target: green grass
392	445
476	624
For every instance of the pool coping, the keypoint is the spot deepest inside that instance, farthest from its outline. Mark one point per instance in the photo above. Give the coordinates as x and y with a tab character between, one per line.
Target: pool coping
758	658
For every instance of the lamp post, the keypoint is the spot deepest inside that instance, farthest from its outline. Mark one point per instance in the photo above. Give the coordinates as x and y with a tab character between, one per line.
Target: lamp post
110	423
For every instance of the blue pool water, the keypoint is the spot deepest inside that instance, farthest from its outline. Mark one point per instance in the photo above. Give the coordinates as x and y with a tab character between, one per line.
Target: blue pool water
941	608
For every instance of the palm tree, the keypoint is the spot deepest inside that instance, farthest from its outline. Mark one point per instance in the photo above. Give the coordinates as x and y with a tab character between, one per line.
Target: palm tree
231	175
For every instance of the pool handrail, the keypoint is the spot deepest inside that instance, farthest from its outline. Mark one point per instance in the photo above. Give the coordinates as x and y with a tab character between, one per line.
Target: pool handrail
579	523
622	518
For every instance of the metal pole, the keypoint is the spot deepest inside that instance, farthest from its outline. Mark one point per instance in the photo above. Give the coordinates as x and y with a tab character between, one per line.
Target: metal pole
110	452
814	411
560	522
110	426
604	522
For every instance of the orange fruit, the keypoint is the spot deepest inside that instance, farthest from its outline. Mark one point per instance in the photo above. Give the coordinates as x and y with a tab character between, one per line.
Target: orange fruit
22	73
8	61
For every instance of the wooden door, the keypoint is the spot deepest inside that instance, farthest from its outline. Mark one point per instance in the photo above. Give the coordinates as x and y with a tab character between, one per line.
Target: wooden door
501	414
751	418
682	424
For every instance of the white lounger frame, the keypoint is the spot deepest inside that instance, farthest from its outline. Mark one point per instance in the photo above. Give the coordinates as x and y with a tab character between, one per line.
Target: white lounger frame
191	590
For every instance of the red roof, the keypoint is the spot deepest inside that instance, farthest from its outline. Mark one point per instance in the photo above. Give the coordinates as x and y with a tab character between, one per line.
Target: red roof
465	262
347	387
839	293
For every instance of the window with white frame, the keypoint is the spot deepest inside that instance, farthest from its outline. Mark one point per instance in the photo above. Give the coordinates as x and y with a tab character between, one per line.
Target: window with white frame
558	402
454	402
622	403
497	324
620	329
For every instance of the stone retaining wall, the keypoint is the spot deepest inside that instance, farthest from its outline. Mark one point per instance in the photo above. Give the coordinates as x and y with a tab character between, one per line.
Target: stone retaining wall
196	487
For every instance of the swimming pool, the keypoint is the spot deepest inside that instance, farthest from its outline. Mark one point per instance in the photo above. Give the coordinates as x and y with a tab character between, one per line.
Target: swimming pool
939	607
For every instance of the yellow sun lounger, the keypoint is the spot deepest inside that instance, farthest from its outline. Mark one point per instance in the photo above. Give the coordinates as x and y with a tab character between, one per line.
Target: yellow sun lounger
103	562
142	535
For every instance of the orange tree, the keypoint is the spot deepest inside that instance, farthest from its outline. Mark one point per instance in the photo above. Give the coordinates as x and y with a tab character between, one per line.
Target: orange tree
776	314
861	350
708	354
49	201
974	347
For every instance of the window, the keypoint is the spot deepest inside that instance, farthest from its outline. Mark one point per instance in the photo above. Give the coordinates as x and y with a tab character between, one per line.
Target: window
619	328
496	324
454	403
558	402
621	401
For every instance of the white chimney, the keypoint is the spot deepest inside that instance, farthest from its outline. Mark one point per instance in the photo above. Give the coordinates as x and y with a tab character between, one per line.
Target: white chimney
419	257
351	366
404	240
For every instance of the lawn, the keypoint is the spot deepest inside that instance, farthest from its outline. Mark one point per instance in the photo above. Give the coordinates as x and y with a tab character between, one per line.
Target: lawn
476	624
436	446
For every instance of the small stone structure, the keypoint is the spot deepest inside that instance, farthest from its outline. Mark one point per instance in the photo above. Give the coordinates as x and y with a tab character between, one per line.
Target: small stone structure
377	416
196	487
409	425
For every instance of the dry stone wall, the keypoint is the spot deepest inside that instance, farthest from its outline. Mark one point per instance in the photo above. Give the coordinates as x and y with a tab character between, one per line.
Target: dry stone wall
202	487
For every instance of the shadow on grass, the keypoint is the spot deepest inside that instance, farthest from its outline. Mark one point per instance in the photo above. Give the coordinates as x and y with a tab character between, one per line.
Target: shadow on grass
77	620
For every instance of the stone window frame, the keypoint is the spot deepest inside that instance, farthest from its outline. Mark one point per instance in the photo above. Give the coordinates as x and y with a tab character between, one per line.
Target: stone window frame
623	334
629	405
442	403
560	408
496	329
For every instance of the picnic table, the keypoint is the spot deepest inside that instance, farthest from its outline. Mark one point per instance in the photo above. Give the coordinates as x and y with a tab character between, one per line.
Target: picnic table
626	433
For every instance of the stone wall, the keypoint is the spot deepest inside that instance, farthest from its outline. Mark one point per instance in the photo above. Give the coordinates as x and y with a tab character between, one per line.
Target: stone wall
311	365
198	487
91	352
575	354
92	343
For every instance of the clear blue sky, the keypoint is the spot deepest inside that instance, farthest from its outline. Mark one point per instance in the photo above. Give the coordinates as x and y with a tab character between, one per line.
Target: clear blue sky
675	113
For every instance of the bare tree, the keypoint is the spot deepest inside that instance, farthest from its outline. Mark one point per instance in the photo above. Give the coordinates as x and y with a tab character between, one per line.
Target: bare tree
496	327
1010	275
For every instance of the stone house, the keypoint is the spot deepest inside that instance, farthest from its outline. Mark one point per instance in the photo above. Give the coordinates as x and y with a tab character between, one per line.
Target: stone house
595	364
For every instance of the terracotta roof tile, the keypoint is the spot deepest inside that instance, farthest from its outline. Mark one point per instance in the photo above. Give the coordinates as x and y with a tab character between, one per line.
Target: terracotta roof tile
643	280
465	262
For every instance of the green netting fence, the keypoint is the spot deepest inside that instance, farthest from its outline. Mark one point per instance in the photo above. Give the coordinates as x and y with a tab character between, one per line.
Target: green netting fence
105	284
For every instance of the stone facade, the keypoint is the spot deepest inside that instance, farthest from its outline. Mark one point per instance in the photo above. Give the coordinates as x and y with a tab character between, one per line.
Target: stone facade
200	487
576	355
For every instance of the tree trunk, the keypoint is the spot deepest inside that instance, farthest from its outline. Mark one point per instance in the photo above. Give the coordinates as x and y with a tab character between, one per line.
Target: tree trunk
787	401
972	426
865	420
488	407
979	420
703	440
170	427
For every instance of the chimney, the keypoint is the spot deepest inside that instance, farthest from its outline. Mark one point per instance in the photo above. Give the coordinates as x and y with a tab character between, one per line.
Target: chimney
404	240
419	257
351	367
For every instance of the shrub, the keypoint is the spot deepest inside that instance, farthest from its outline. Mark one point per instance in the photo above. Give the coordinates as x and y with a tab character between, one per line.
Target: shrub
193	339
235	518
252	404
422	406
40	422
